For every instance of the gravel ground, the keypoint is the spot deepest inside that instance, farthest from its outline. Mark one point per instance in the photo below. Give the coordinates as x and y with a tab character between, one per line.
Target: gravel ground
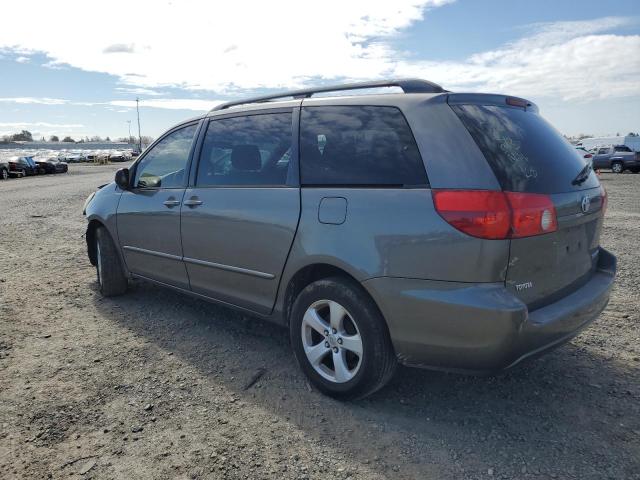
156	385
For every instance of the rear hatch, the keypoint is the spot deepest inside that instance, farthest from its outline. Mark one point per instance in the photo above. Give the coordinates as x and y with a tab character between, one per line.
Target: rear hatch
529	156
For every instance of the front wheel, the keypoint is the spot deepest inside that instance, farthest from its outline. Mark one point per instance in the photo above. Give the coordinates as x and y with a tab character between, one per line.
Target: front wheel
340	339
4	174
616	167
111	277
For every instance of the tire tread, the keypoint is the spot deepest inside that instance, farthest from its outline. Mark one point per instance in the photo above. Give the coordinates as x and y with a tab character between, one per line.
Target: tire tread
114	281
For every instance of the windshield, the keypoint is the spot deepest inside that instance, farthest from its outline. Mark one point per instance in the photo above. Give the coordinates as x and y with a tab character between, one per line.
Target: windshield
525	152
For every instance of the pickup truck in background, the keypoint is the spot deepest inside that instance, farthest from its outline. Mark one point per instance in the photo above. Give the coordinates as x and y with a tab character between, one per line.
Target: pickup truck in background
618	158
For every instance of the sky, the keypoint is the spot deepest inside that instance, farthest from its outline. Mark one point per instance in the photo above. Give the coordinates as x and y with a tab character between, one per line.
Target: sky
75	68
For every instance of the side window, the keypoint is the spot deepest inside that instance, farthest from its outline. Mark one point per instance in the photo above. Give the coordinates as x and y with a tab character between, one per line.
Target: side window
359	145
249	150
165	164
603	151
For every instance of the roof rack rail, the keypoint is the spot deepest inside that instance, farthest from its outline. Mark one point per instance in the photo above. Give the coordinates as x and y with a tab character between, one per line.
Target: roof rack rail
408	85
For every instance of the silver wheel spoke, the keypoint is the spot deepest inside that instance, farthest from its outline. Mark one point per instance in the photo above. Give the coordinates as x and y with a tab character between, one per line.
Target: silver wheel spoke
340	367
316	353
353	343
337	313
326	319
313	320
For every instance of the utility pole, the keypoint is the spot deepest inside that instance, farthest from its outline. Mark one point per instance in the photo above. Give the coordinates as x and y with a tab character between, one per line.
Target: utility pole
139	136
129	139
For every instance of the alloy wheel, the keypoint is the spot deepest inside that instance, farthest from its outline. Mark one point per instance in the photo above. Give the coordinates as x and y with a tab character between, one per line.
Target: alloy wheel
331	341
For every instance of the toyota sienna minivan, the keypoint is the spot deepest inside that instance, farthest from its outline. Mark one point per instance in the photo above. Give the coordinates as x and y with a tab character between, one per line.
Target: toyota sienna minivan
433	229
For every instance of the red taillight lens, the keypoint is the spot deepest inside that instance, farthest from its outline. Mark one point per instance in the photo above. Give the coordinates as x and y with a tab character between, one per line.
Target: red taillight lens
531	214
496	215
605	199
588	155
478	213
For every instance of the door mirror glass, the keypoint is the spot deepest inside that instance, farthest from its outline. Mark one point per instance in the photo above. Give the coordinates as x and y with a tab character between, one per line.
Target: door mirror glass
148	180
122	178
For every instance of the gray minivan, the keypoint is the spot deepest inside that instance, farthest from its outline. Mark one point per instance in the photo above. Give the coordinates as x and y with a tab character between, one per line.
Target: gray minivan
428	228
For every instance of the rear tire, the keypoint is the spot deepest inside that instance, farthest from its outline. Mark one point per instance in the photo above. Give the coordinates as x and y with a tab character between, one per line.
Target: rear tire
617	167
331	320
111	277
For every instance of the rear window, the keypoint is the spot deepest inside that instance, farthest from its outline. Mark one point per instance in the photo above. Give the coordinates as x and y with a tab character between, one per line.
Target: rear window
525	152
358	146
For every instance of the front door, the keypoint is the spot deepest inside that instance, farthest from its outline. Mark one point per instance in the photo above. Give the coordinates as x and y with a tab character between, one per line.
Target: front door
149	214
240	217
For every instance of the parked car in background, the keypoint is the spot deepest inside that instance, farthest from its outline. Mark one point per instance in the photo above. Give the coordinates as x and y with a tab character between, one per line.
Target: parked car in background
52	165
22	166
618	158
4	169
347	220
119	157
73	157
34	166
17	168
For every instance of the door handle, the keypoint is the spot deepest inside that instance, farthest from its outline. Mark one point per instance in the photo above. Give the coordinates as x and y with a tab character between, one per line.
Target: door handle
193	202
171	203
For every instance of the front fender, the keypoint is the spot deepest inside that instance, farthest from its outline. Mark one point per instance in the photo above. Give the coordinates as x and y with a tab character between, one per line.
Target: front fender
102	211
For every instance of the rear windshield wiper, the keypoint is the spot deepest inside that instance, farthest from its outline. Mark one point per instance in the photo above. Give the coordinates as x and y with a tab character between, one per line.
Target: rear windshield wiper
583	175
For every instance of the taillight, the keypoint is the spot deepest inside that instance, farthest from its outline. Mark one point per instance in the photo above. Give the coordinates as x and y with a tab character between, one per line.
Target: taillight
588	155
496	215
605	199
531	214
479	213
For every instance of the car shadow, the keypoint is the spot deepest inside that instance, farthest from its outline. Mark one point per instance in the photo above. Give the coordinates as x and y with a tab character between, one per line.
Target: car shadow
572	413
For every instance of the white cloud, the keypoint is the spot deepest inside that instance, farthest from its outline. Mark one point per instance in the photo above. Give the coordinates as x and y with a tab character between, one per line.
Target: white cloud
22	59
120	48
564	60
200	44
245	44
138	91
33	100
196	105
39	124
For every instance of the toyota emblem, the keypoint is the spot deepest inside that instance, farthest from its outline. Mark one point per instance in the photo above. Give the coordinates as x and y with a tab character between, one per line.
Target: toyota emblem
586	203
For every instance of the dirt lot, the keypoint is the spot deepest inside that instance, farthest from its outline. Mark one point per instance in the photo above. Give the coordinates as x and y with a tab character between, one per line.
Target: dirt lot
153	384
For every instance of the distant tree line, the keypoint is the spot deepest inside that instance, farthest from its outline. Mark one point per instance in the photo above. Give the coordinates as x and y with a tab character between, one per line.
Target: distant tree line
27	136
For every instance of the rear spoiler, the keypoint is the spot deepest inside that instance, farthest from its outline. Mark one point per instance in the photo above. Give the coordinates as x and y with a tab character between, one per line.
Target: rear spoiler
491	99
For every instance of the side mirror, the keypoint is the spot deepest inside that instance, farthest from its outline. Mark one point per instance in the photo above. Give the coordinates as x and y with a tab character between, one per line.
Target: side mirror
122	179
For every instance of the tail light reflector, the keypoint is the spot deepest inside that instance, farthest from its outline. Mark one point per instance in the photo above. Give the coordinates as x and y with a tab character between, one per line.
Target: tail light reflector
496	215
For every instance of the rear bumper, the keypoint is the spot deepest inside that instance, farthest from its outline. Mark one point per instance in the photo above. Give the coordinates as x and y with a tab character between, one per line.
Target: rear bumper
481	328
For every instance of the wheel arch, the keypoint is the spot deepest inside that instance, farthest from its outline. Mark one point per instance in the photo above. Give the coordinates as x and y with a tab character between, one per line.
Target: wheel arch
312	273
90	237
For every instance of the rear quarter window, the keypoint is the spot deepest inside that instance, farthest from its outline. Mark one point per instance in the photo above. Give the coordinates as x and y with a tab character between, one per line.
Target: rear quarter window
525	152
358	146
